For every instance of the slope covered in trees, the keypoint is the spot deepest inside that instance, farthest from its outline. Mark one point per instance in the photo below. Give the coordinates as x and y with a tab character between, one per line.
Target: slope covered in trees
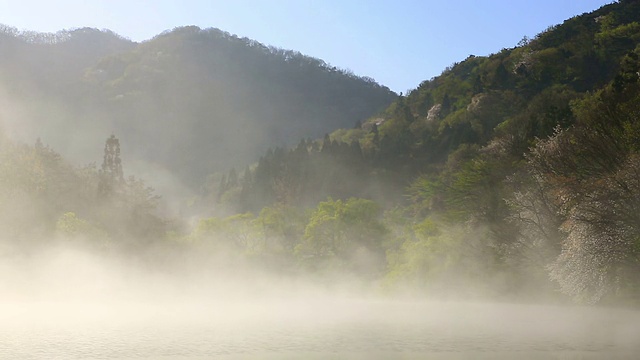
189	101
519	167
514	175
511	98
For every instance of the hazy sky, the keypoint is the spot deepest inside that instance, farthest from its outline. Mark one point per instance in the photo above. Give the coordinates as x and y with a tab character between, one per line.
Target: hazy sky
397	42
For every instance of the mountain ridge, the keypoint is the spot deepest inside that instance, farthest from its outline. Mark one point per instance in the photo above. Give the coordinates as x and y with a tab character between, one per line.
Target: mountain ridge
205	90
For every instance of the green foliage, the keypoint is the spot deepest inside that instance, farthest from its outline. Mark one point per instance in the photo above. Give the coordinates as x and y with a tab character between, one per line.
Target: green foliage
443	261
348	234
71	227
36	186
619	39
42	195
515	165
231	233
519	168
592	172
282	227
501	103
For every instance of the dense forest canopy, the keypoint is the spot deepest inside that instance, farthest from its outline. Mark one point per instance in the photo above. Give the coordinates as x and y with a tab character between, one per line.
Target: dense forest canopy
515	174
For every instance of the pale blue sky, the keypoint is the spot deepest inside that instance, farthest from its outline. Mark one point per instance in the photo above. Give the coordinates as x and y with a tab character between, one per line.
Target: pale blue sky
397	42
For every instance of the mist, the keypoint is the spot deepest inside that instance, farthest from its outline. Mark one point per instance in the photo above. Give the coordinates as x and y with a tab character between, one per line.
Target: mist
114	279
68	301
192	101
200	195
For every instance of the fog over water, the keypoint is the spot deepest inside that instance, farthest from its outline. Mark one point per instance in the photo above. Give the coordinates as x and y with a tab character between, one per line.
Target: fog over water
66	303
205	196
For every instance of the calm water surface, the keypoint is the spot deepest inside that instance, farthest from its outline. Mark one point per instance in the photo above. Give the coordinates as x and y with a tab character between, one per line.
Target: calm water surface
325	328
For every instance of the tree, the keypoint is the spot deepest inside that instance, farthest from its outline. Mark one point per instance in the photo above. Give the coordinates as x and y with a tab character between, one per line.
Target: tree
73	228
446	104
111	177
233	234
501	76
129	205
376	134
442	259
282	227
347	234
591	173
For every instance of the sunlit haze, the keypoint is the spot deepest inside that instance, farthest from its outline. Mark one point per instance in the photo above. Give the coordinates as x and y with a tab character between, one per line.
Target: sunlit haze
331	179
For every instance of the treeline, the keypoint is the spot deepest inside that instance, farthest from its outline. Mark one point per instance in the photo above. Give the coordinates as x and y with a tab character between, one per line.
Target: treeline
518	169
44	198
305	175
58	37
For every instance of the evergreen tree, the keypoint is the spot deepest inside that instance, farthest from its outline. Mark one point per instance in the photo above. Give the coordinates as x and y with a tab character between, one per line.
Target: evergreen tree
111	177
376	134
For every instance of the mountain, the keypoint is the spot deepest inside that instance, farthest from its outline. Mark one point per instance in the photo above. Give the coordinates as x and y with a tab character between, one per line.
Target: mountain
188	102
522	165
514	175
515	96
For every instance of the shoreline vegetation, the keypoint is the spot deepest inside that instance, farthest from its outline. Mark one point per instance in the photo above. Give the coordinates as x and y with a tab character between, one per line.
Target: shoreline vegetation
514	176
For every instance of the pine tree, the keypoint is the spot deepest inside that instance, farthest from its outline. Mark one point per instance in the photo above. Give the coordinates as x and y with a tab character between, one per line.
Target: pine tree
376	134
111	178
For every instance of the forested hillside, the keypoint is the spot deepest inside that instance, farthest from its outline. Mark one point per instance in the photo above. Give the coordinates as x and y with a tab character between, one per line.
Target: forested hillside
515	175
189	101
517	167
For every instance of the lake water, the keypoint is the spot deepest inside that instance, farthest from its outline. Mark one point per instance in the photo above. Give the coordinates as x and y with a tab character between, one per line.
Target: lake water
313	328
